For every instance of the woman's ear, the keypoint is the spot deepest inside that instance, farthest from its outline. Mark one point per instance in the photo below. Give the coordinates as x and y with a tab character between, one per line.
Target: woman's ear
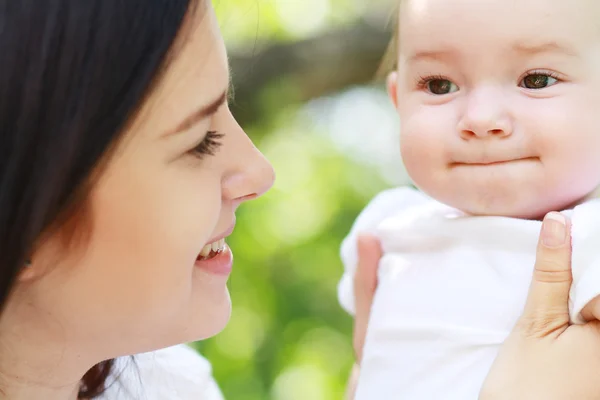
392	87
28	272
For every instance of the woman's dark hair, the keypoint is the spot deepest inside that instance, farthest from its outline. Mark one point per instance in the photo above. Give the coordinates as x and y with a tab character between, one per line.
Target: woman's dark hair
72	75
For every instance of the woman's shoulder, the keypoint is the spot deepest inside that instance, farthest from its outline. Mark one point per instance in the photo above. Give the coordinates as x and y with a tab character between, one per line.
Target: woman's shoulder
177	372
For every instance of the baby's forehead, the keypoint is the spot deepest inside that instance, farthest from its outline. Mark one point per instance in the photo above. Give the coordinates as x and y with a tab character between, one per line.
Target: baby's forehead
500	25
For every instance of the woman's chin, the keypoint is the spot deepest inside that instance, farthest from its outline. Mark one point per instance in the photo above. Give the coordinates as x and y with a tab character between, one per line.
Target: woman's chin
213	319
208	315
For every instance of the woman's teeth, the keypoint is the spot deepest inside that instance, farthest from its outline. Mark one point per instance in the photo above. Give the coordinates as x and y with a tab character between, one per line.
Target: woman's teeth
212	248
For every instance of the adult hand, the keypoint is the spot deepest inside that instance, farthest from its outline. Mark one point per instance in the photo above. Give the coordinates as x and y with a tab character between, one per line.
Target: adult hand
365	283
544	357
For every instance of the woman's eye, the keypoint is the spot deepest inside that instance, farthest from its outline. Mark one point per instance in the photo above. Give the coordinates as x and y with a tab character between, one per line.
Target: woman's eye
440	86
209	145
538	81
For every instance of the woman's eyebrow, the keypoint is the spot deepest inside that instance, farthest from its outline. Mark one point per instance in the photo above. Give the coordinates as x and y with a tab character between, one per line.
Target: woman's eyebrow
201	113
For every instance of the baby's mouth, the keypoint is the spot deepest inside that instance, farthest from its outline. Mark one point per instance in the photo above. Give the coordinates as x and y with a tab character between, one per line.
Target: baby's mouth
483	163
211	250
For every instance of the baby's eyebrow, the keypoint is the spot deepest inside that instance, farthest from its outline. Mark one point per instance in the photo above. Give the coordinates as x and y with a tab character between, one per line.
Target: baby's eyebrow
430	55
544	47
523	48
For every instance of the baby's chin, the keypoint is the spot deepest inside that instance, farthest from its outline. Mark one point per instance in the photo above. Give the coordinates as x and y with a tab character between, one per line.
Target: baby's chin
514	204
522	212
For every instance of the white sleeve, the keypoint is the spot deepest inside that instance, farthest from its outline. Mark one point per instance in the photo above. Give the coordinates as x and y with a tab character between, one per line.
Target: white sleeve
384	205
585	260
177	372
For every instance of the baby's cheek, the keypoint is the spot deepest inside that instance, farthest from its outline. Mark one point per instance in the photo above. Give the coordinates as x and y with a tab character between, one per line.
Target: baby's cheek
571	175
420	145
419	161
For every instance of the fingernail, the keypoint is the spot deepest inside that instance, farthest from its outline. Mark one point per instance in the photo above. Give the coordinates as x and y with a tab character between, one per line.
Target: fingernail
554	230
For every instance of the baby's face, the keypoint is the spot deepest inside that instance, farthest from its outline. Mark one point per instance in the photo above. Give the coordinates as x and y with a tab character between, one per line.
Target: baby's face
499	102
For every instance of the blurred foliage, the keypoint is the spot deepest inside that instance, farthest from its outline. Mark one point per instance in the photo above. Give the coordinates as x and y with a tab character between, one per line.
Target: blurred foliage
288	338
246	23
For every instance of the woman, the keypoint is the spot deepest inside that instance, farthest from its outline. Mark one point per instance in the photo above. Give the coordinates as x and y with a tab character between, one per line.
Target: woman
121	169
544	358
120	164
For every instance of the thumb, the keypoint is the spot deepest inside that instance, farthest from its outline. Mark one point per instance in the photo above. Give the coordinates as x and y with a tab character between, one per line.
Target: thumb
365	283
547	307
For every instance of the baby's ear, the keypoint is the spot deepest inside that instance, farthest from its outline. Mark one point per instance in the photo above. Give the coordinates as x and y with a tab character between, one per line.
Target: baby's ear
392	87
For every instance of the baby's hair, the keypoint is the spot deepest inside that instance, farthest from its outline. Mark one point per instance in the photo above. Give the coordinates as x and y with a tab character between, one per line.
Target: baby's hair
390	58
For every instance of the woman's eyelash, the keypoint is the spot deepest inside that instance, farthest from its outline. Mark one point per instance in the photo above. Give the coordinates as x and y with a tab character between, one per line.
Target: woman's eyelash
209	145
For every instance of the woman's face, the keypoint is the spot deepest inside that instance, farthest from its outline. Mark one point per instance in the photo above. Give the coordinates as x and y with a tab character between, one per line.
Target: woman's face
168	191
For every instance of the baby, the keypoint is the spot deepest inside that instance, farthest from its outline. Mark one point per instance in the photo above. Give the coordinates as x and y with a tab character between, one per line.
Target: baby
499	104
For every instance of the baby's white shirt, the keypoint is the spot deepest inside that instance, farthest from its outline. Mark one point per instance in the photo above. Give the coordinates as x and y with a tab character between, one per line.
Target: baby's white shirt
451	287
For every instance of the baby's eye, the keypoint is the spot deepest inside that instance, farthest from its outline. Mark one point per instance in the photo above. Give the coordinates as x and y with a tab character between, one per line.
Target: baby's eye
440	86
538	81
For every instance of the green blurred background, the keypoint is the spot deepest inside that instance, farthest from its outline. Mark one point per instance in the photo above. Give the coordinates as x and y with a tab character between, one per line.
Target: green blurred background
304	91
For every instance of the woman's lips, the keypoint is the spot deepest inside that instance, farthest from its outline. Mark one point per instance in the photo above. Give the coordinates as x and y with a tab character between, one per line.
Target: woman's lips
216	256
217	262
